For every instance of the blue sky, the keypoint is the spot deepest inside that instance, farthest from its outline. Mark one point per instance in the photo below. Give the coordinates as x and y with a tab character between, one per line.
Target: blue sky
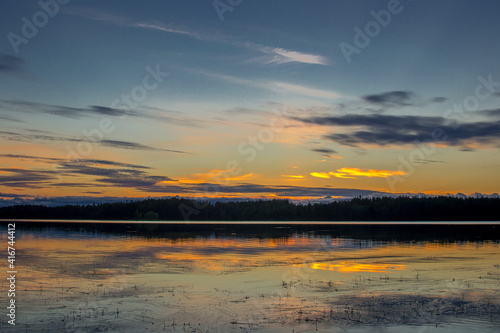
348	123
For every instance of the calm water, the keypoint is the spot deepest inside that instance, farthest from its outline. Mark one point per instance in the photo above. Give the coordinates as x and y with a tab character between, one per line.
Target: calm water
125	277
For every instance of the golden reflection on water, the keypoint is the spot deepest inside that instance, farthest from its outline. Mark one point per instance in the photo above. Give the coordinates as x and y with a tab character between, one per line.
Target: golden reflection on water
267	280
218	254
352	267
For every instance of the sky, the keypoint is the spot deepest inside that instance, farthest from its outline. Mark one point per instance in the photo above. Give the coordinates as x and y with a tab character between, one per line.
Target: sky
306	100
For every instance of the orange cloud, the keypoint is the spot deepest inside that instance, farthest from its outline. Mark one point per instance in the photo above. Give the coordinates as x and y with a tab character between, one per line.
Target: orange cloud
353	173
293	176
213	176
320	174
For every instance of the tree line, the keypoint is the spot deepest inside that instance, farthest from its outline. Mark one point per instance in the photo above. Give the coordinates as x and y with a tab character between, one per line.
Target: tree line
358	209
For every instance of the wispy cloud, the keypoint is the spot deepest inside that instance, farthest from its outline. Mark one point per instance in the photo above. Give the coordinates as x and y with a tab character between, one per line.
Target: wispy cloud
302	90
30	136
276	86
10	118
390	99
293	176
105	163
11	64
155	114
97	172
274	55
279	55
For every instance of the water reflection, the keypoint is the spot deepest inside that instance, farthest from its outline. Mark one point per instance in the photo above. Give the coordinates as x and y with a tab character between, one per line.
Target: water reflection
352	267
259	278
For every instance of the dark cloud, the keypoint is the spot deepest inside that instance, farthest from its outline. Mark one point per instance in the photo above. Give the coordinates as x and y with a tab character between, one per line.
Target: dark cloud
73	184
80	161
146	182
155	114
83	112
13	195
120	177
240	111
10	118
136	146
23	178
11	64
59	201
390	99
101	177
33	136
103	173
439	99
376	121
384	130
489	113
324	151
283	191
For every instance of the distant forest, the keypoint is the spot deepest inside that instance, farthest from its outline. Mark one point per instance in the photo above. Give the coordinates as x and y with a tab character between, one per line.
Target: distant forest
357	209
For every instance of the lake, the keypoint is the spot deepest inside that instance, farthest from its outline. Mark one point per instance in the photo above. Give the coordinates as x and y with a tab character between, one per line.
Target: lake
260	277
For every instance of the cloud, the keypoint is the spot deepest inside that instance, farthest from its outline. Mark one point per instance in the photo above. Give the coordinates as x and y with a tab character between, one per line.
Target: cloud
13	136
354	173
81	161
325	151
109	18
494	113
283	56
382	130
58	201
302	90
135	146
398	99
320	174
11	119
82	112
23	178
109	174
276	86
390	99
214	175
277	55
64	111
121	177
145	112
293	176
11	64
439	99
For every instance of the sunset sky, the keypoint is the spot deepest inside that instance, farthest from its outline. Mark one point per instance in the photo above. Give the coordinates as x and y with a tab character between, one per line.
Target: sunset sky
292	99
